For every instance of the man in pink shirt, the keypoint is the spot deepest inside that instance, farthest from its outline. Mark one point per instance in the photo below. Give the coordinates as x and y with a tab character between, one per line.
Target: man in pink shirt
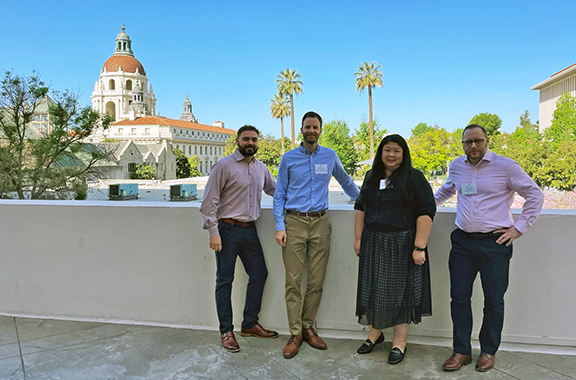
230	206
485	183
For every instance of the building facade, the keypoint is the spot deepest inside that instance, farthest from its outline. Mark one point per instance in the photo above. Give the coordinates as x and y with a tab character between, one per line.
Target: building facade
551	89
194	139
121	75
123	92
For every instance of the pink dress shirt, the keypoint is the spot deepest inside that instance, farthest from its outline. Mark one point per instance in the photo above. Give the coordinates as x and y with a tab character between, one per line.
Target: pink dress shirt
496	178
234	190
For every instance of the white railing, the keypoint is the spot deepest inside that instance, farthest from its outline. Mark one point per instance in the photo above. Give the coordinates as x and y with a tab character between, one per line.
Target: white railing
149	263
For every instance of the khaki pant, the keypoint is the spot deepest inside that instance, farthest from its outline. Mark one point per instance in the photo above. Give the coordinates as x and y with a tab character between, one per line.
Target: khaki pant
305	235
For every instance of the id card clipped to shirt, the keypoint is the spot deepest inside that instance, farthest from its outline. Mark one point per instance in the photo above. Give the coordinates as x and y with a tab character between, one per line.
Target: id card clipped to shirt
320	169
470	188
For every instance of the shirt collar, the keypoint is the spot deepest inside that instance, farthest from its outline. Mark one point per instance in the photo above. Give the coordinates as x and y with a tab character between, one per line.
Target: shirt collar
488	156
305	151
238	156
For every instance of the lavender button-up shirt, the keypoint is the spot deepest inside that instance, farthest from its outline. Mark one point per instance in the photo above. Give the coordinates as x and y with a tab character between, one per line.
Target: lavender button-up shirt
234	190
495	180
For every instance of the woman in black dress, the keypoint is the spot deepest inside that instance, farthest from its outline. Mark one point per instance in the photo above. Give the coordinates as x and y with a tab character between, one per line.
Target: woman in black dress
393	220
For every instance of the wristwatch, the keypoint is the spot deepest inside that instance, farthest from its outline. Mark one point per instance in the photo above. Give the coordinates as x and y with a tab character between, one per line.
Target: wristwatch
419	249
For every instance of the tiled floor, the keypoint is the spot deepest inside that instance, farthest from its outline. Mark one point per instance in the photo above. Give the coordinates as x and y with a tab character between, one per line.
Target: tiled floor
47	349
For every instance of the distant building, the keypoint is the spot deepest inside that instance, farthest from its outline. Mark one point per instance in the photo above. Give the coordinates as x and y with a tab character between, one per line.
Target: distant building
205	141
129	155
41	119
122	92
121	78
551	89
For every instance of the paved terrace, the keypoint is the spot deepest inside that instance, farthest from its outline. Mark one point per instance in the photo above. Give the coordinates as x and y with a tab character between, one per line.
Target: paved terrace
37	349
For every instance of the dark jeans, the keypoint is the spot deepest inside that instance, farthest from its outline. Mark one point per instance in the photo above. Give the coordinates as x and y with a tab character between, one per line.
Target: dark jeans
243	242
471	254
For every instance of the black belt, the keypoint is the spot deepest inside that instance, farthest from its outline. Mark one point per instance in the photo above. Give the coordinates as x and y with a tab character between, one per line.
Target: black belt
237	222
309	214
482	235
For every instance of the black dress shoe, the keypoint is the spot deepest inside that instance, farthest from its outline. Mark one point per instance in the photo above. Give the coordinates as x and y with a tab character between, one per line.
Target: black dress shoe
396	355
368	346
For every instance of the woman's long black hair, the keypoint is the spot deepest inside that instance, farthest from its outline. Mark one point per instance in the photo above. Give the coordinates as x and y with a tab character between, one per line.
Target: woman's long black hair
399	177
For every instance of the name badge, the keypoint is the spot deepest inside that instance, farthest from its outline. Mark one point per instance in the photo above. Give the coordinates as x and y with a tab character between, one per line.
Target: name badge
384	183
469	188
320	169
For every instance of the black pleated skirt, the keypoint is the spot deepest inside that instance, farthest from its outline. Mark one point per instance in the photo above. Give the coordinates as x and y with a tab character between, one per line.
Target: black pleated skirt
391	289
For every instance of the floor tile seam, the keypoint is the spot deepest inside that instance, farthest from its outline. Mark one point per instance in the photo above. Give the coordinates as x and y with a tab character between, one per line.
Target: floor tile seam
20	349
541	365
75	331
10	357
88	343
7	344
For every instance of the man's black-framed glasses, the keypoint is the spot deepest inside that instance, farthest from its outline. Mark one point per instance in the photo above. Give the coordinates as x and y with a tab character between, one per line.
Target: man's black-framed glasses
468	143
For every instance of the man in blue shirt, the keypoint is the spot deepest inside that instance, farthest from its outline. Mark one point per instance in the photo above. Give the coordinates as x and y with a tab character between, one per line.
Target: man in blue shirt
302	191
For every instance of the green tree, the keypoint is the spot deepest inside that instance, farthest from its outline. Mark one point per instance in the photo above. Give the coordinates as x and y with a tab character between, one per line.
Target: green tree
182	164
491	122
336	135
279	109
558	167
430	151
362	138
563	125
288	85
369	76
144	171
31	162
269	149
230	146
455	144
194	161
421	128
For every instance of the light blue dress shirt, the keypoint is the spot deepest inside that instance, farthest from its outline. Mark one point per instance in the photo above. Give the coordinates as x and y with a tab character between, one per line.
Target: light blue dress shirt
303	180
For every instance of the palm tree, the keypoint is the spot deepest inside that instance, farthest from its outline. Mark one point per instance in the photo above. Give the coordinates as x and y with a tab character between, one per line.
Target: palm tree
279	110
288	84
369	75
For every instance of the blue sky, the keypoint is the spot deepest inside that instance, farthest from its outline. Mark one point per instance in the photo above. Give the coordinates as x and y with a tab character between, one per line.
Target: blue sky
442	61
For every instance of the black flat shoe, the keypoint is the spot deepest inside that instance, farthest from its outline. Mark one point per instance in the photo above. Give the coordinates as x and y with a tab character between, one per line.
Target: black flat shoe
396	355
368	346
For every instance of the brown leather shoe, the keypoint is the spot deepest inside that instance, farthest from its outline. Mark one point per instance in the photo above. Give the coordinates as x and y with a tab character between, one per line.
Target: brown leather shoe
229	342
259	331
310	336
456	361
291	348
485	362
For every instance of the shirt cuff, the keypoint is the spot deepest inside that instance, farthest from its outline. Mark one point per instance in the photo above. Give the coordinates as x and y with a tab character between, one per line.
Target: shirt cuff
214	231
280	226
521	226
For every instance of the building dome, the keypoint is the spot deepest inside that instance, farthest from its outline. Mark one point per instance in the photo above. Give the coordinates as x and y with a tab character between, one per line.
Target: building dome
128	64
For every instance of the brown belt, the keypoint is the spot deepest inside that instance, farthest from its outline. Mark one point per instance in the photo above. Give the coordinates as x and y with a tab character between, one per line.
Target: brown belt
308	214
237	222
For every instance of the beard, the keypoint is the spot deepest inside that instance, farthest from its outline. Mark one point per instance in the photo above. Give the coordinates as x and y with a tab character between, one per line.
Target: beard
310	139
246	151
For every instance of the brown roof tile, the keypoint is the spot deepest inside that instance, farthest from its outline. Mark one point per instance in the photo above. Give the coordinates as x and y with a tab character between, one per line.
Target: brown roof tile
129	64
159	120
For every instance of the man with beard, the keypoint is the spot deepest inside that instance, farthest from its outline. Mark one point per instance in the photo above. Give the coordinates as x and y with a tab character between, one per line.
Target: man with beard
230	206
302	193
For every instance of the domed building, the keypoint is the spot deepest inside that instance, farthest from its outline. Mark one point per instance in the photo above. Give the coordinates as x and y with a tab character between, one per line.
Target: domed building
122	91
120	76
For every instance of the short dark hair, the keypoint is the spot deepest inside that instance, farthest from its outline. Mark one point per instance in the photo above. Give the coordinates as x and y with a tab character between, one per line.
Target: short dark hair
313	115
247	128
472	126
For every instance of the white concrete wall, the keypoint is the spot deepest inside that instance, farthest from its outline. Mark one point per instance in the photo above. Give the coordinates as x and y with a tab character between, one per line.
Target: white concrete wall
100	261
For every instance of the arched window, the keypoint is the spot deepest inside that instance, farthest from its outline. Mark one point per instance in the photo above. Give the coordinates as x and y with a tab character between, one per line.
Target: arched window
111	109
111	85
128	84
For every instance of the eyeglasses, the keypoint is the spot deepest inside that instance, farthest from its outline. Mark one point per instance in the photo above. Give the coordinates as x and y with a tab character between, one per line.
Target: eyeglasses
468	143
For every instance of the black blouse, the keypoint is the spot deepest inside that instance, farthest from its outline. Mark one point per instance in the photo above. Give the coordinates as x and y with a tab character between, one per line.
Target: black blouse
387	210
